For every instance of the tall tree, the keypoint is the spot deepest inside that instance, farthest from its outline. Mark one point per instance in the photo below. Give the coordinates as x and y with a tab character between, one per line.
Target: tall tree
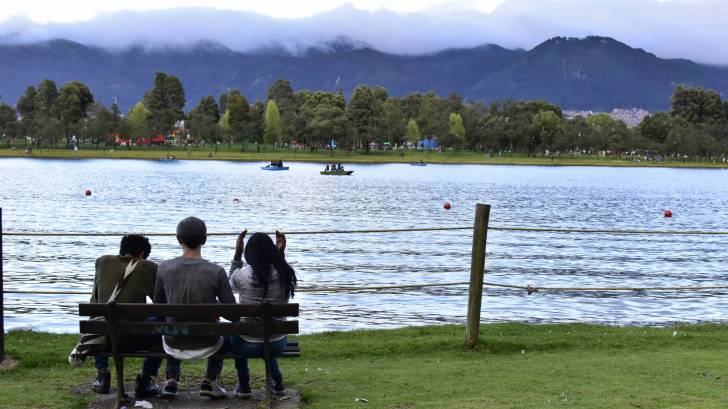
8	122
165	102
46	96
413	132
239	121
74	100
273	129
282	93
366	114
204	119
696	105
138	118
547	128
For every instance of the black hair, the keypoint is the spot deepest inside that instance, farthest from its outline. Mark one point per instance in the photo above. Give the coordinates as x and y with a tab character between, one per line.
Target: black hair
136	245
262	255
192	241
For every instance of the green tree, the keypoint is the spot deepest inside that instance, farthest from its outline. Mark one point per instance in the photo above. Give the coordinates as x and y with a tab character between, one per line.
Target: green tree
99	125
257	122
273	129
413	132
547	128
696	105
165	102
74	100
455	137
433	116
8	122
395	123
282	93
46	96
203	120
239	121
138	117
366	114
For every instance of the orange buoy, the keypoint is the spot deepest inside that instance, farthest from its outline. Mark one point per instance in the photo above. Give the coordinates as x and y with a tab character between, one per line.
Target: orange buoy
88	192
447	206
668	213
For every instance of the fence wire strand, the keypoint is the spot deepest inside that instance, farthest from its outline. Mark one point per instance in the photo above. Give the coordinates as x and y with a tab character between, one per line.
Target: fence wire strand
399	230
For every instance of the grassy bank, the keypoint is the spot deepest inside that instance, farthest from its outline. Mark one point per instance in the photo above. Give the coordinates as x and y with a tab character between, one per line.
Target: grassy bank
514	366
250	155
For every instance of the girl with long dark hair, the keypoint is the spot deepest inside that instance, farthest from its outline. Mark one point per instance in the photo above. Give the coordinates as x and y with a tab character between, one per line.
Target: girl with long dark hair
266	277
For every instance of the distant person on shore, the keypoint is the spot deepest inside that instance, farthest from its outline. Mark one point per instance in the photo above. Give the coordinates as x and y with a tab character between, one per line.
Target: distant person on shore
266	277
190	279
124	278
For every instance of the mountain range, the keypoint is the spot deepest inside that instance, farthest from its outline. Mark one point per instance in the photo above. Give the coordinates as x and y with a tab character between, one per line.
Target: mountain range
592	73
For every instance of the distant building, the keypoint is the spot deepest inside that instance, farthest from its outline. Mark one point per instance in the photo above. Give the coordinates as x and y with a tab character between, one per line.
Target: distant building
631	117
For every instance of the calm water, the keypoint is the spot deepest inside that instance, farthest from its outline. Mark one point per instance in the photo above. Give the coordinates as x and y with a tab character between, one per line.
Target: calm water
148	196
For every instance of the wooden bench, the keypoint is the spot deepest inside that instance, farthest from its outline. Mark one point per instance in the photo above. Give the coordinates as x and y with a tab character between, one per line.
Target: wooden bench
123	320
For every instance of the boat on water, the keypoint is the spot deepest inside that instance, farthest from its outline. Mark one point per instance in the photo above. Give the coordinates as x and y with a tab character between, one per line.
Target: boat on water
418	164
337	172
275	165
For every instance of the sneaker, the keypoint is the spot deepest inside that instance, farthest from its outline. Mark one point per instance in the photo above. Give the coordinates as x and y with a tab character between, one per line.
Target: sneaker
242	391
277	386
145	387
211	389
102	384
169	389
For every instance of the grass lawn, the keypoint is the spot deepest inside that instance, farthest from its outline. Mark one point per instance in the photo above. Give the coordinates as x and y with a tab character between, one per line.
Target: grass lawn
514	366
250	155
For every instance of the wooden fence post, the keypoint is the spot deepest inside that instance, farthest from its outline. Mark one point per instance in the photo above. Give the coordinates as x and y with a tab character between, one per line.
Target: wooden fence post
477	272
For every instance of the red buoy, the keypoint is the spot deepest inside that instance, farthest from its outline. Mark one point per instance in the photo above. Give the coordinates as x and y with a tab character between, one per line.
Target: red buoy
668	213
88	192
447	206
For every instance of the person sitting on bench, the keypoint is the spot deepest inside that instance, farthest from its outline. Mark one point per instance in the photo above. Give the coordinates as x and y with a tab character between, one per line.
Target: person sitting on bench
267	277
190	279
124	278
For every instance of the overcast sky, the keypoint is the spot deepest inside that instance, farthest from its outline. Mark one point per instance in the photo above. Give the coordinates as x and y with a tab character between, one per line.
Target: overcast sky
694	29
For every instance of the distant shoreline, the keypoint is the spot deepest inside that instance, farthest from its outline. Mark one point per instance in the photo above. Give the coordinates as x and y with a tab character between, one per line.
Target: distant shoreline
379	157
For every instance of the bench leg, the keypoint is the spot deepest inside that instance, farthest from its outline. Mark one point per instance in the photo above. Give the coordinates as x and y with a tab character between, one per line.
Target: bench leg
120	393
267	357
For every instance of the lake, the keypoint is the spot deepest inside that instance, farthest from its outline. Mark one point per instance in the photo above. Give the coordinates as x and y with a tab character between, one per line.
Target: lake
152	196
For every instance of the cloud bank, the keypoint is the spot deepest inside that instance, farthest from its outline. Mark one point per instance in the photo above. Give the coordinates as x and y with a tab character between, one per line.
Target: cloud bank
671	29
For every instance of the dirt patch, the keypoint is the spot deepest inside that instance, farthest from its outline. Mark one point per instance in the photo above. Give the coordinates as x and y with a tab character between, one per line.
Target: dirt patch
189	399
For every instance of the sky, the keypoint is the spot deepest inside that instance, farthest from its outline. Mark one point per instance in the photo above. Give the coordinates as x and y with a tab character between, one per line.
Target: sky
693	29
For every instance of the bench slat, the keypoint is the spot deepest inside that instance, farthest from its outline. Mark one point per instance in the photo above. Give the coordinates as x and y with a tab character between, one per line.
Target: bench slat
189	311
187	328
292	350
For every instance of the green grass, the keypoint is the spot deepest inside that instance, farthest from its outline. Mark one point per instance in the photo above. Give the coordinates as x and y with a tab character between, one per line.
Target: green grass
513	366
250	155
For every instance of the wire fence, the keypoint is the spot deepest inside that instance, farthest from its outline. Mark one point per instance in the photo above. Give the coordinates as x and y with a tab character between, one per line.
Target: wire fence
400	230
337	289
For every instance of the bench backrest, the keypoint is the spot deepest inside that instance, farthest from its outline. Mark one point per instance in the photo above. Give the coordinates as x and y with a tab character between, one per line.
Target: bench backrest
189	319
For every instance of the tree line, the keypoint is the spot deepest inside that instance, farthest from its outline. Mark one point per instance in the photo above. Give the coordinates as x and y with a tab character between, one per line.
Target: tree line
696	126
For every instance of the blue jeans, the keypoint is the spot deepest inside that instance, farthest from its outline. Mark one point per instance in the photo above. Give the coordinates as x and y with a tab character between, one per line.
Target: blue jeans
150	366
255	350
149	343
214	364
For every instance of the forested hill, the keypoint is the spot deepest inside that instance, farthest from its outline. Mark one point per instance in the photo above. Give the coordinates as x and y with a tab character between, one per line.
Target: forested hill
594	73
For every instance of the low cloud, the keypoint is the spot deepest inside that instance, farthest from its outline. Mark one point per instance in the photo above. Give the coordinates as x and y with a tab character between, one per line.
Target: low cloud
671	29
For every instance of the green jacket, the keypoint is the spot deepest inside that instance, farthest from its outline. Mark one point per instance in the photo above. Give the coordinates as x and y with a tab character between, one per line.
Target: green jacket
109	271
